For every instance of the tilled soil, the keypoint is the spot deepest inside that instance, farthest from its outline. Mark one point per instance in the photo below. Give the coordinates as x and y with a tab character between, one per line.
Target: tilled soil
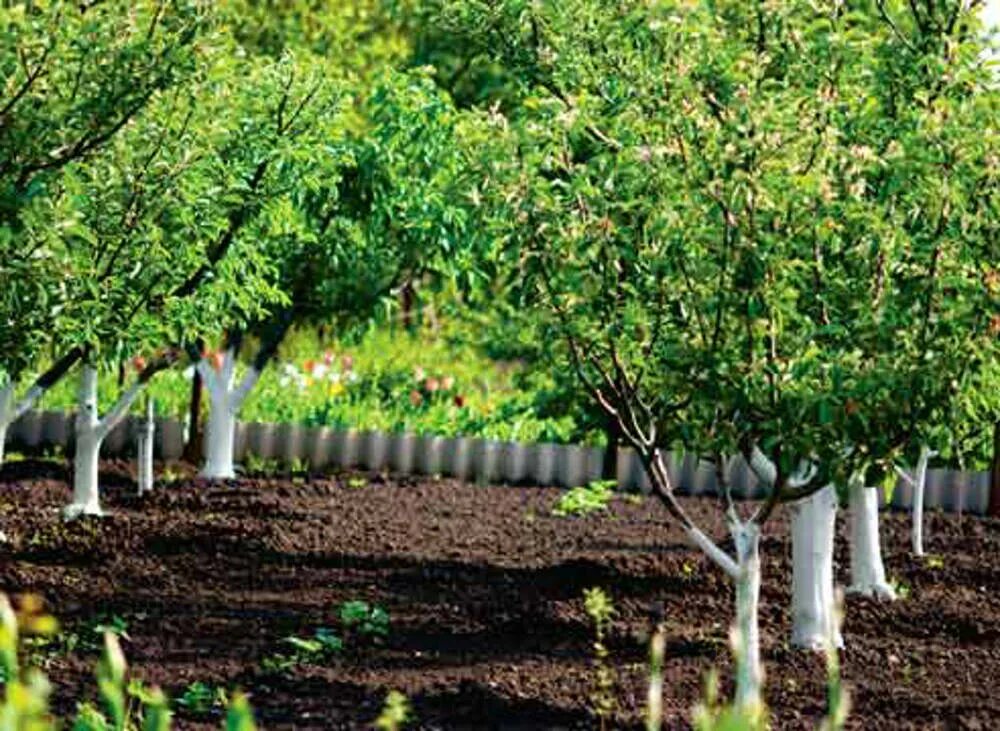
484	588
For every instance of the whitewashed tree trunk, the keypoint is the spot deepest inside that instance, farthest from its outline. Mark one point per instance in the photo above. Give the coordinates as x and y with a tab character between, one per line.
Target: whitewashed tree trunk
90	433
86	496
919	484
226	401
749	671
813	522
6	414
144	455
867	569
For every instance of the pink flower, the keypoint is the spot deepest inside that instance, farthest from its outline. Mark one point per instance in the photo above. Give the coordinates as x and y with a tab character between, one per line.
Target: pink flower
328	358
447	383
432	385
348	362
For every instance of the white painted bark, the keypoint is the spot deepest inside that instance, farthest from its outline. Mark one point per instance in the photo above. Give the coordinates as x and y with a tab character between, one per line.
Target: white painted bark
813	521
86	495
720	557
919	484
867	569
226	402
90	433
749	671
147	432
6	412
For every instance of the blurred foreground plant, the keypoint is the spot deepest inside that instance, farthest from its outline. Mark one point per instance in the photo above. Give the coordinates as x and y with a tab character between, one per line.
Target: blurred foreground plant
128	705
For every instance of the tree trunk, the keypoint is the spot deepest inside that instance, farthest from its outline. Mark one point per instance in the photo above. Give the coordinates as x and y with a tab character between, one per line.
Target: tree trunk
406	304
144	454
609	465
193	450
813	521
220	432
6	415
867	569
749	672
86	495
919	485
994	507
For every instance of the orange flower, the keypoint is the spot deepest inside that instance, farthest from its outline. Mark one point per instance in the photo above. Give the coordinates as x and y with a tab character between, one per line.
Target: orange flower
415	398
139	363
309	365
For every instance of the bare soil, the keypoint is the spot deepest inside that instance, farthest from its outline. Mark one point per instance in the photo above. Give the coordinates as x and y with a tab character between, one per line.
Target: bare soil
484	588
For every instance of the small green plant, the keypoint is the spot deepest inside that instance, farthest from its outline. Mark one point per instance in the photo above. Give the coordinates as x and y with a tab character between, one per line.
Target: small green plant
127	706
395	712
935	562
356	483
200	698
315	650
901	587
591	498
363	620
600	609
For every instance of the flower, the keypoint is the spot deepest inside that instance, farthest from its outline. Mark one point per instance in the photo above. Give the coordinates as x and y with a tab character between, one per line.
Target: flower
418	374
309	365
328	357
415	397
432	385
139	363
347	362
448	383
320	370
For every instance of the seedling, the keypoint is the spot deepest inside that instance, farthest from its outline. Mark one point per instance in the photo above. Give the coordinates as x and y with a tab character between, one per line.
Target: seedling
592	498
602	698
356	483
200	698
315	650
363	620
395	713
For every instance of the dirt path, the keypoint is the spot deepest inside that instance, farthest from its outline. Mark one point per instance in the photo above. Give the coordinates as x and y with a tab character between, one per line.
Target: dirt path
483	586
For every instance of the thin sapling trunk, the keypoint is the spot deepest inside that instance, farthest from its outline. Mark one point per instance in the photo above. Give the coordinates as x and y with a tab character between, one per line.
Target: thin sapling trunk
919	484
144	456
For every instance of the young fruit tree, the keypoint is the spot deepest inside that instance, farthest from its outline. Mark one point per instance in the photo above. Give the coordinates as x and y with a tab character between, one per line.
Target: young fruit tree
646	204
149	234
666	214
62	101
366	212
913	213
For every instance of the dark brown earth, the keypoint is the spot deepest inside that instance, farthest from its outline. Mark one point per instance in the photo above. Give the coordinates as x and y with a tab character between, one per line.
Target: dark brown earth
484	588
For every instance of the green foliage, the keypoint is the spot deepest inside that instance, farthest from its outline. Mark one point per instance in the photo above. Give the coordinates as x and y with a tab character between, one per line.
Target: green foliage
395	713
200	698
128	704
363	620
462	393
591	498
322	647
